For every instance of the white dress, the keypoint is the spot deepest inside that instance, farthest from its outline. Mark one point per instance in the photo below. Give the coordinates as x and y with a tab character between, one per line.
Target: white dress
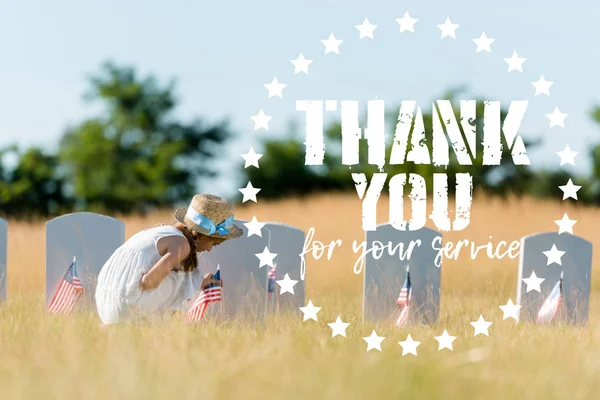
118	295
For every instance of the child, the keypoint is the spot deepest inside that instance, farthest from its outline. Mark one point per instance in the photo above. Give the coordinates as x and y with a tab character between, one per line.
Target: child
150	273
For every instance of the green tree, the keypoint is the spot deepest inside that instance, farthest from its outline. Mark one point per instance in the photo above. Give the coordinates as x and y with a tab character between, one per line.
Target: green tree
136	156
33	187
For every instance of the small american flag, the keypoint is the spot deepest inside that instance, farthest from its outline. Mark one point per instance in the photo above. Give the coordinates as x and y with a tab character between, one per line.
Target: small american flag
271	282
404	300
552	303
209	294
68	293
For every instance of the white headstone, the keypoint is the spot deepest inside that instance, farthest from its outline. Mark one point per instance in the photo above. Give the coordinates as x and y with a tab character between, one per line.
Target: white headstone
287	242
89	237
576	265
244	283
385	271
3	256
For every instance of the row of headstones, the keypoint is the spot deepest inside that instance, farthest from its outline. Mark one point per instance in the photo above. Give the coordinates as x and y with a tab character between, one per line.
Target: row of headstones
91	238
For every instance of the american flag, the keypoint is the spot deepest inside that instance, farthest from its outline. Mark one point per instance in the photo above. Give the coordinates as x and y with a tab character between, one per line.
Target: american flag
552	303
68	293
271	282
209	294
271	287
404	300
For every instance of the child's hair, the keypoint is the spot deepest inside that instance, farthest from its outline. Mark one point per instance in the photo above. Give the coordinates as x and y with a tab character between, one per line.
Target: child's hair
190	263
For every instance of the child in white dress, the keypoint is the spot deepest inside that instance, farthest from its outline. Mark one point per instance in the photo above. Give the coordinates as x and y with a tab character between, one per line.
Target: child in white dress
156	269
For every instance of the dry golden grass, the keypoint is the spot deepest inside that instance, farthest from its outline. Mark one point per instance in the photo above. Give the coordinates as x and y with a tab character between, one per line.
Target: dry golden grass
46	357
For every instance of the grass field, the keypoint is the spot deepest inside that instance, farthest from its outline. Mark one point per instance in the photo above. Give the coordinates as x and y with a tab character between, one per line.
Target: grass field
45	357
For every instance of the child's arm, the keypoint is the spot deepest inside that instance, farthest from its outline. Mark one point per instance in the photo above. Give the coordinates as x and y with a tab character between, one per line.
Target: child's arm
176	249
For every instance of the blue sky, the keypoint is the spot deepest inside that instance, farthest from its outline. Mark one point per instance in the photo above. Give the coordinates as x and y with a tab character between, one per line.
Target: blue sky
222	53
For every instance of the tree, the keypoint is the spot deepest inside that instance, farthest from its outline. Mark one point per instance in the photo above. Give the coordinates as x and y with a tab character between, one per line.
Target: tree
136	156
33	187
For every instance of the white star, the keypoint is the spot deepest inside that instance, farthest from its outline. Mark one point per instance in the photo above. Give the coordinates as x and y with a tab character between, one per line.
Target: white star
409	346
557	118
251	158
332	44
515	63
510	310
261	120
301	64
310	311
533	282
554	255
484	43
249	192
374	341
481	326
275	88
338	327
445	341
565	224
542	86
569	190
254	227
448	28
567	156
286	284
407	23
266	257
366	29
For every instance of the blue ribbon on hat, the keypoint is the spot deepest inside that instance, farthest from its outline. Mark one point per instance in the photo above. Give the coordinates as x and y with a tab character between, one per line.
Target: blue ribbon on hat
208	224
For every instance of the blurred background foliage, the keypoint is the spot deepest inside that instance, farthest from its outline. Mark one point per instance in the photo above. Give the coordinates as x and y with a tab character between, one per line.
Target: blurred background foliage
135	157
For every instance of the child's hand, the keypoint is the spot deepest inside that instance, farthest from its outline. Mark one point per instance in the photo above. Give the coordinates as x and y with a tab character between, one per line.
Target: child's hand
208	280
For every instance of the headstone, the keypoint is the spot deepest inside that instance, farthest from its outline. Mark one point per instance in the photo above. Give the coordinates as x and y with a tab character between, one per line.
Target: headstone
287	242
3	256
244	283
385	271
576	265
89	237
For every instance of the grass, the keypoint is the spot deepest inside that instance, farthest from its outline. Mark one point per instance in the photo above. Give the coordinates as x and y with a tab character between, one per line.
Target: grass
72	357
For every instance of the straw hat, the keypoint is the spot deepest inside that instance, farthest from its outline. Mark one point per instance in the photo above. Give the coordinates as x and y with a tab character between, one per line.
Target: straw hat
210	215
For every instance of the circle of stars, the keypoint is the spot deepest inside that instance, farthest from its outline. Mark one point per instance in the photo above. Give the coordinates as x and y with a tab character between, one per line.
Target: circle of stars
483	45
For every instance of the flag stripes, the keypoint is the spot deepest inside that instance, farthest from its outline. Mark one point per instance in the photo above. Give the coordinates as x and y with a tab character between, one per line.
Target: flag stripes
68	293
